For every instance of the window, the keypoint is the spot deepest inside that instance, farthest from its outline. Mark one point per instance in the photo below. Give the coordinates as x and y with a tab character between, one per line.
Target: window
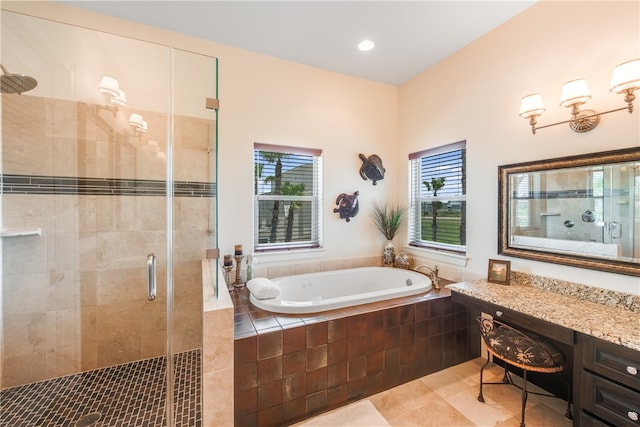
527	201
287	197
437	198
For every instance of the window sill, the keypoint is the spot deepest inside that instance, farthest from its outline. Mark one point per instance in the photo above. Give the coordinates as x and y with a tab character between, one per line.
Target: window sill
288	255
457	260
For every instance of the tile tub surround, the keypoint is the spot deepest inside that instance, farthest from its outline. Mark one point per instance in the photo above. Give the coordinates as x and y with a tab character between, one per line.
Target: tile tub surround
290	367
610	323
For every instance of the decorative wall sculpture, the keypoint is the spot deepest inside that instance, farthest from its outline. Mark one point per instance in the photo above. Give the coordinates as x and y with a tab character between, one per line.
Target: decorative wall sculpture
348	205
371	168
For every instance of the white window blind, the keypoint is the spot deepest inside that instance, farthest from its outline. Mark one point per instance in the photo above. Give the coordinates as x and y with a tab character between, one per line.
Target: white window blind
287	197
437	198
527	201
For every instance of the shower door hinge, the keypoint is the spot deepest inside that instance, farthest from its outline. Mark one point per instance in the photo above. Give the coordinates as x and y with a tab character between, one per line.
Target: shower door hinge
212	103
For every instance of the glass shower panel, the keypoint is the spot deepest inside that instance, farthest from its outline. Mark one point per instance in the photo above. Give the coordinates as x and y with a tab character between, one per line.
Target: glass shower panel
619	215
87	156
193	172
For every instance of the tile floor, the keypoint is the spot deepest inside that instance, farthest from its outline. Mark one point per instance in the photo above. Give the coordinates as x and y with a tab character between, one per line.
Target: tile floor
128	395
450	398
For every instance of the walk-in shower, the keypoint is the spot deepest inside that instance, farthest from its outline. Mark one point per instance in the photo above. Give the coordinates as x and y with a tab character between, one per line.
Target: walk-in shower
98	175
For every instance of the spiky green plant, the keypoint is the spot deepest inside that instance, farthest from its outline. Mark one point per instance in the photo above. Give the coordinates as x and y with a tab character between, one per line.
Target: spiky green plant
388	218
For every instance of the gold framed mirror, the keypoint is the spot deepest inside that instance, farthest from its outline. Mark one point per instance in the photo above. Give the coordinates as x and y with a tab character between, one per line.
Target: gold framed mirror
582	211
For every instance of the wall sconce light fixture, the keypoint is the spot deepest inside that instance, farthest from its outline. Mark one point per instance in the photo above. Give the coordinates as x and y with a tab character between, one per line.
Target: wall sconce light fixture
120	99
139	124
110	87
625	79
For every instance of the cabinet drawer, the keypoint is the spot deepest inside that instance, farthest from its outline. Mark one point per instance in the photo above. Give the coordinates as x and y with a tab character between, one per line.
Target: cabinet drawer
613	361
612	402
587	420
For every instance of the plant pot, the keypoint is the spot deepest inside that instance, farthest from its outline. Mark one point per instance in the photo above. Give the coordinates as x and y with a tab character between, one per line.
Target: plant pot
389	253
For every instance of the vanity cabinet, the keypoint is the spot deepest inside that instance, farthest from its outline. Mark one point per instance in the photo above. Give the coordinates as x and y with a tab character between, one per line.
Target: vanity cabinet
605	376
608	377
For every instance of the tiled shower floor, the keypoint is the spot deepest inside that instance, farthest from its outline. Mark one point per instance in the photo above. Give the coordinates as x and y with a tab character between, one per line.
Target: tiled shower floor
125	395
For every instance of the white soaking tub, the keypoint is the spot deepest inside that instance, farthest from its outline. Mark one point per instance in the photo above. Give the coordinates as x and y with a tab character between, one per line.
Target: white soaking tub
328	290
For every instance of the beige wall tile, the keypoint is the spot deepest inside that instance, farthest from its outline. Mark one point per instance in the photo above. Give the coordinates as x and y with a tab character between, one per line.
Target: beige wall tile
88	317
63	290
122	286
217	346
27	212
153	212
24	334
23	369
218	397
312	267
24	293
153	344
88	285
121	349
114	320
89	354
154	316
281	270
117	250
24	255
65	155
63	328
63	361
25	146
333	264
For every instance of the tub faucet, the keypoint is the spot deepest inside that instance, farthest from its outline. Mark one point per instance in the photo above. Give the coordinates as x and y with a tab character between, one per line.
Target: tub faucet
433	273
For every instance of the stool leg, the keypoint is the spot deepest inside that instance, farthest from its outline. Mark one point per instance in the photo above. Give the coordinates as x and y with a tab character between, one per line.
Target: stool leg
524	397
480	396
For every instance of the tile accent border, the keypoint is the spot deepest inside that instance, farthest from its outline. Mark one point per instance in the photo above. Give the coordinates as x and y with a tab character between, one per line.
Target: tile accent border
60	185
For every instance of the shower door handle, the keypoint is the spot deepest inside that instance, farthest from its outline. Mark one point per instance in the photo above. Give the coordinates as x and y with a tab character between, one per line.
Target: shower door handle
615	230
151	277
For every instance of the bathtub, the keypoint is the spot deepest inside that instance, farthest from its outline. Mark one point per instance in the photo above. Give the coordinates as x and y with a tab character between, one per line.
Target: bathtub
328	290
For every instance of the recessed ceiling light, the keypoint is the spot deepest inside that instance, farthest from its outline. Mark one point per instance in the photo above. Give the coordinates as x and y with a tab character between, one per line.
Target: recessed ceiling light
366	45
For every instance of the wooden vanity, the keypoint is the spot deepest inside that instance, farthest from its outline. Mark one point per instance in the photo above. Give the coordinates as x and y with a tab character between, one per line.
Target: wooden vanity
601	343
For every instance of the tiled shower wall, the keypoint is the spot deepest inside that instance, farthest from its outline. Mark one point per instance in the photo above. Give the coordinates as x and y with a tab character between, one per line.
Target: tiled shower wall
75	297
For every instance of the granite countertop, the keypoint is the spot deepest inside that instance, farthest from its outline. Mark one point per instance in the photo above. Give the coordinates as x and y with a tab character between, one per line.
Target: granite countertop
610	323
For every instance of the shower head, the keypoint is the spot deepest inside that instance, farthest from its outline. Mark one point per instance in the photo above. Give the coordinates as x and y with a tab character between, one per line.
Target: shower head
16	83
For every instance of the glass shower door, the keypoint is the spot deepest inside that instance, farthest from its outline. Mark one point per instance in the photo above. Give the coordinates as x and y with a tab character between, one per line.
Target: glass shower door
97	206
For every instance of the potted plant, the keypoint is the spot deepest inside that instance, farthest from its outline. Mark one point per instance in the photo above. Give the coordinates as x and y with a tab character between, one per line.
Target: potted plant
388	218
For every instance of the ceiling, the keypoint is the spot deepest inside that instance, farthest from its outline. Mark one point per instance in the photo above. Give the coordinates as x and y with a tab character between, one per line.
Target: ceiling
409	36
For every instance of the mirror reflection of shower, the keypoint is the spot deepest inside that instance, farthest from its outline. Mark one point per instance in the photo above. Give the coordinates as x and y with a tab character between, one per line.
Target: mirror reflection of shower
16	83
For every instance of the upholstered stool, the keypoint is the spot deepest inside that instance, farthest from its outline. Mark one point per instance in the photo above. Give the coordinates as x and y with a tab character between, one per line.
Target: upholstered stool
525	351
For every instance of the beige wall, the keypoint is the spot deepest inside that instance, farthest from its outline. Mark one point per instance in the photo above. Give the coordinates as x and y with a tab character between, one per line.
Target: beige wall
474	95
